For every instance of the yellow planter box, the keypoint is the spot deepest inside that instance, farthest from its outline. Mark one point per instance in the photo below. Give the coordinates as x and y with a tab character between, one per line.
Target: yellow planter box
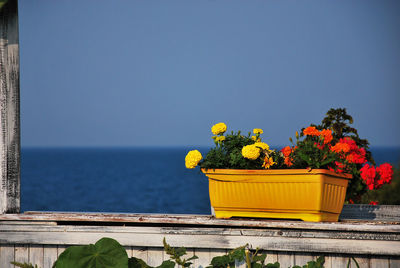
315	195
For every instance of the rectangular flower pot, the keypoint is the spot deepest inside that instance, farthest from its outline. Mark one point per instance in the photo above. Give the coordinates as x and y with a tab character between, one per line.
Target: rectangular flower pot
310	195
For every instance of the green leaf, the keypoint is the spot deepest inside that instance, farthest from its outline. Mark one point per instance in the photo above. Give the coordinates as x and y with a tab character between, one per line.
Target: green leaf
106	253
260	258
194	257
256	265
23	265
273	265
220	261
136	263
167	264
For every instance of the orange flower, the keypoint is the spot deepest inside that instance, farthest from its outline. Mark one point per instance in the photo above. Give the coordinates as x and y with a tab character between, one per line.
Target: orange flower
288	161
327	135
311	131
340	148
286	151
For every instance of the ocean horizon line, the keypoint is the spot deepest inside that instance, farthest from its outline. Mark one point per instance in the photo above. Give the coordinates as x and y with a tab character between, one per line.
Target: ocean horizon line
162	147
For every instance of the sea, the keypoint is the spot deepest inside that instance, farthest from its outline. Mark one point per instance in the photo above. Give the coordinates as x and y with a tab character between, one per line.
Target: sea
126	180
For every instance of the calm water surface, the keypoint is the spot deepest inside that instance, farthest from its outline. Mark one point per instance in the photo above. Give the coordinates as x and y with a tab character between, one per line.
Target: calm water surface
136	180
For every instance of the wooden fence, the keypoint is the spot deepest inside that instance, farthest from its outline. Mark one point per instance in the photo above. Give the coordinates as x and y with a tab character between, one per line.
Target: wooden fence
39	237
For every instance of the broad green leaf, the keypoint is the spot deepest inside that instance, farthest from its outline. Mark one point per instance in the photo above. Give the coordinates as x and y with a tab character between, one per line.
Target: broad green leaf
106	253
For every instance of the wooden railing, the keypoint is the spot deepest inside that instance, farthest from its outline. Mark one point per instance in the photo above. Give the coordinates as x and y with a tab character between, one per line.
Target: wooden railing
39	237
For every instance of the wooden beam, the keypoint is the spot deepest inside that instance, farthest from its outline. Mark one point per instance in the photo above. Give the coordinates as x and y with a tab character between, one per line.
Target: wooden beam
193	220
9	109
287	240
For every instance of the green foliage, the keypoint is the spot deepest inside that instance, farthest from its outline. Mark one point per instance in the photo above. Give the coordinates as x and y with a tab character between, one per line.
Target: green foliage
228	154
228	260
139	263
176	254
106	253
308	155
23	265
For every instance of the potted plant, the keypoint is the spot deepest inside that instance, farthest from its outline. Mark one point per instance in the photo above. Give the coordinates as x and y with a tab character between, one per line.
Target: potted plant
309	180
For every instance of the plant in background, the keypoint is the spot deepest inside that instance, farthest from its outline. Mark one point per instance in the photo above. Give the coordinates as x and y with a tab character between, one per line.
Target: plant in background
332	145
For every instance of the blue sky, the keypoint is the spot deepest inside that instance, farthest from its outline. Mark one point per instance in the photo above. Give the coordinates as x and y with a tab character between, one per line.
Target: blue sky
161	73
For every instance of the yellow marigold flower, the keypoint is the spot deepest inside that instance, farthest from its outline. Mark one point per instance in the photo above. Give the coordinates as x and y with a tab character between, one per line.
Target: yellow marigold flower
258	131
268	162
262	145
220	138
251	152
254	138
192	159
218	128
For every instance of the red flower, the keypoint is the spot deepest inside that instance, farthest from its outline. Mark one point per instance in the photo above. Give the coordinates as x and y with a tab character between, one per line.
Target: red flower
338	168
357	156
385	172
368	174
350	142
374	203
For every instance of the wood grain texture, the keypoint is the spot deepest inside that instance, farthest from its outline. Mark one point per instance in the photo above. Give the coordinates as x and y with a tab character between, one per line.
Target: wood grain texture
204	258
286	260
155	256
394	262
302	258
200	220
336	261
272	257
9	109
139	252
370	213
36	255
6	255
21	253
49	255
218	238
376	262
361	261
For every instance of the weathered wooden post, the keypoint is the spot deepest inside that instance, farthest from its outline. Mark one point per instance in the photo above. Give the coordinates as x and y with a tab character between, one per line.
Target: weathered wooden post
9	109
